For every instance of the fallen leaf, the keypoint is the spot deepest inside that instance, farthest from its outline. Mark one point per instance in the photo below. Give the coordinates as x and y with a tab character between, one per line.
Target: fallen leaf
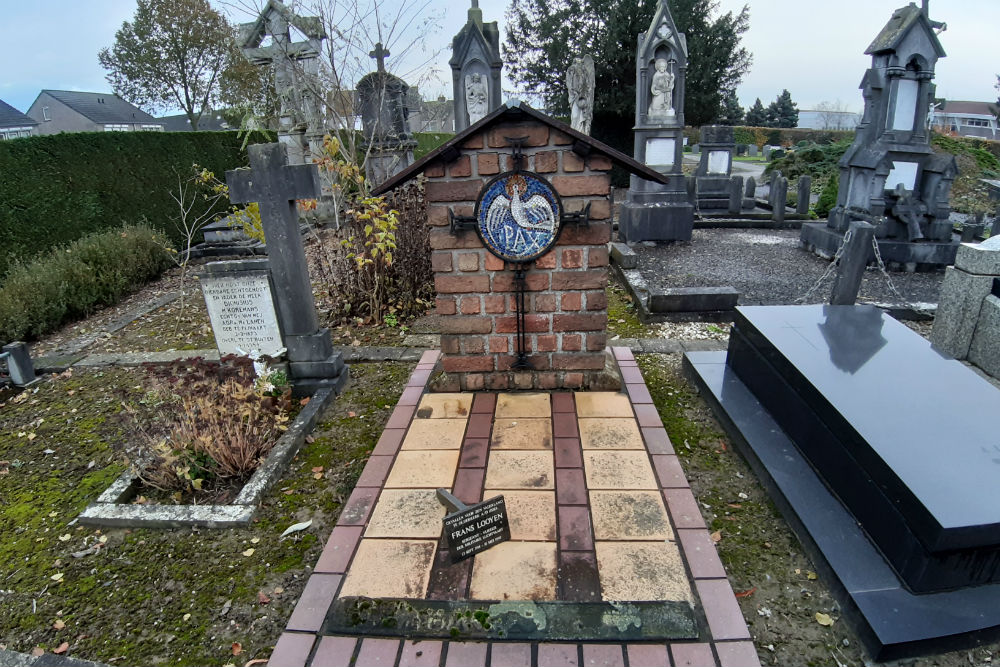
279	590
237	648
185	617
318	475
103	539
289	492
318	469
716	536
65	538
296	527
57	577
38	651
303	402
258	661
823	619
58	625
32	436
734	505
249	552
254	540
262	598
811	575
747	593
62	648
351	413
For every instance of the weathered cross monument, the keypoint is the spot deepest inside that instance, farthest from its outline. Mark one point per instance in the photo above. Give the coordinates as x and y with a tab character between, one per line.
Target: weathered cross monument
276	185
657	211
388	144
890	176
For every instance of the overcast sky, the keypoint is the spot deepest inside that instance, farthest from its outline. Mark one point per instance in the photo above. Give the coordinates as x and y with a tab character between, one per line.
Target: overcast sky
814	48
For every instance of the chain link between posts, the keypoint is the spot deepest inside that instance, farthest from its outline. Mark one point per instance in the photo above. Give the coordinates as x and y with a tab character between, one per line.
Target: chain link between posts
831	267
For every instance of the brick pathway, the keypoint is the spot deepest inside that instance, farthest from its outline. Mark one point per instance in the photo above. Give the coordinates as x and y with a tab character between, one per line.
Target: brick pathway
594	492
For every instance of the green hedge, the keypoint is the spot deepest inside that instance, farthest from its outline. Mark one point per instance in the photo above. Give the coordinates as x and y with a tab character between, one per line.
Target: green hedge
58	188
69	282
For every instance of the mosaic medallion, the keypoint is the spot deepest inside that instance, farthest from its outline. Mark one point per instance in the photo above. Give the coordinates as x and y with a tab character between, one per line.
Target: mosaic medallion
518	216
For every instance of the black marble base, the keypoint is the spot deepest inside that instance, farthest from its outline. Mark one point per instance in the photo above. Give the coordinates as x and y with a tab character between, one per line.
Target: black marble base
905	436
669	220
512	620
817	237
892	622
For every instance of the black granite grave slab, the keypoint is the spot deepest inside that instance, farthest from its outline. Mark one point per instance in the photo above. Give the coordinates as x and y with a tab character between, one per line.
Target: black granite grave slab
900	432
893	622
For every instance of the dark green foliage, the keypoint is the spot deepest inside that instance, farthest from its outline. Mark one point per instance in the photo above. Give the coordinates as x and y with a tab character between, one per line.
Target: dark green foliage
977	149
428	141
828	198
543	36
71	281
816	160
56	189
782	112
732	112
757	115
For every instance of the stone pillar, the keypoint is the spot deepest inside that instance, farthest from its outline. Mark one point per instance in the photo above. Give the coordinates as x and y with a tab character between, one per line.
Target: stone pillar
735	195
805	190
853	261
965	287
779	199
19	365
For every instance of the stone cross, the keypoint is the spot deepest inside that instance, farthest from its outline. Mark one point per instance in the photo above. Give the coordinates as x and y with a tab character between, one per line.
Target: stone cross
380	54
276	186
910	210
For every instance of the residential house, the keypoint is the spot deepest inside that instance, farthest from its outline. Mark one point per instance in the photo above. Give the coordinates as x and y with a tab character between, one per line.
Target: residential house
14	124
968	119
209	122
71	111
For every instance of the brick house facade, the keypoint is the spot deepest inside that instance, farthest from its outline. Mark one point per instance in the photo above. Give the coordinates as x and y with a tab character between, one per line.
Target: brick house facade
566	309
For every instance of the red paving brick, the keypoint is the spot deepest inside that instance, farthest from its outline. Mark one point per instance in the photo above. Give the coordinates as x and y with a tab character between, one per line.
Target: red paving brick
564	425
568	453
411	396
737	654
334	652
377	653
358	507
389	442
375	471
563	402
420	654
469	485
429	357
647	655
400	417
702	556
419	378
571	489
578	578
669	471
558	655
466	654
692	655
622	353
631	375
474	453
311	608
657	441
292	650
683	508
510	655
338	550
725	619
479	425
574	529
638	393
603	655
484	403
647	415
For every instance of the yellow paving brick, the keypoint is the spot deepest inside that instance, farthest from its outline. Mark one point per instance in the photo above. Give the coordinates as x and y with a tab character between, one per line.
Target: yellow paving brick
523	405
435	434
532	514
522	433
515	571
641	571
438	406
430	469
514	469
602	404
407	513
610	433
618	469
629	515
390	569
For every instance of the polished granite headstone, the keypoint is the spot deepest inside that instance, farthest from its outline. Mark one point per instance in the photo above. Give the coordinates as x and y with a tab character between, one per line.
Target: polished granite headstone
905	436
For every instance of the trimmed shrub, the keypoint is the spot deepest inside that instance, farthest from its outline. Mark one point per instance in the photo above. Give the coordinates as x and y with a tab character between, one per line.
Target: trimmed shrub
58	188
71	281
828	198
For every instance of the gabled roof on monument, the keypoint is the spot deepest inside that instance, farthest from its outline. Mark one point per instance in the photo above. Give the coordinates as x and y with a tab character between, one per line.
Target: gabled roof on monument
476	31
516	111
902	21
662	16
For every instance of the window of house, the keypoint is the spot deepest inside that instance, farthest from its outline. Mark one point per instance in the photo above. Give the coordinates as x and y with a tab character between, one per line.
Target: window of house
975	122
116	127
45	114
152	128
14	132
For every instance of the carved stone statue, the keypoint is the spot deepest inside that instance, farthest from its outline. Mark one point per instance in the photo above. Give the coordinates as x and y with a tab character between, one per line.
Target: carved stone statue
477	99
661	103
580	84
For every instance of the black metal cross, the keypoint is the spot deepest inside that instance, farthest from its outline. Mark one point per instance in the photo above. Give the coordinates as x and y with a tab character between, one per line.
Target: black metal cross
380	54
275	186
910	210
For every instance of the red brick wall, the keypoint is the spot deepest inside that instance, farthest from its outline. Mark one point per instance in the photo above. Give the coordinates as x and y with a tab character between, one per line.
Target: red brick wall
566	310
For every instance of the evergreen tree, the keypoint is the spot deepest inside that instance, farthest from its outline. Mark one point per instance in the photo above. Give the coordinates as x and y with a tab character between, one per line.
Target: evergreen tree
732	112
757	115
543	37
783	112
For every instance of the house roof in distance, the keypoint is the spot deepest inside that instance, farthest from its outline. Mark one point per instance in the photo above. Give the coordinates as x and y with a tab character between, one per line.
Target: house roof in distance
209	122
971	108
517	111
101	107
11	117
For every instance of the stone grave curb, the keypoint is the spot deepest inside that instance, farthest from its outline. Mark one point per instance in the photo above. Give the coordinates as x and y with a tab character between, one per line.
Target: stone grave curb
15	659
713	304
111	508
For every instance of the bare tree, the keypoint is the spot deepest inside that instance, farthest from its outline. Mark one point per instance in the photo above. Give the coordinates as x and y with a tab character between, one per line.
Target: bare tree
835	116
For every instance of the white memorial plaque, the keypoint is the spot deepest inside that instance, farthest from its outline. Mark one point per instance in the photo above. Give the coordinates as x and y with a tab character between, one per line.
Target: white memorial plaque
906	105
241	309
660	151
902	172
718	162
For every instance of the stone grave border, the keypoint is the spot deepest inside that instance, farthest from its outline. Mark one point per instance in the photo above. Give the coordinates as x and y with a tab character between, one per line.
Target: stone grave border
113	509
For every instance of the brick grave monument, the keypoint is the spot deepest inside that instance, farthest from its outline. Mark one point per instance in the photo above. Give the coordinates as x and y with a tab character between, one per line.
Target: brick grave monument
520	213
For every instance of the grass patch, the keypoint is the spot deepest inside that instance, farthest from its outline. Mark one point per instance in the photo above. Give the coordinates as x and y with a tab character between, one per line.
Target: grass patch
179	597
623	320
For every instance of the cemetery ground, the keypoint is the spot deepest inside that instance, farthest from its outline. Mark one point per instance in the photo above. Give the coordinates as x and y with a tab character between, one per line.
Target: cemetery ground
200	597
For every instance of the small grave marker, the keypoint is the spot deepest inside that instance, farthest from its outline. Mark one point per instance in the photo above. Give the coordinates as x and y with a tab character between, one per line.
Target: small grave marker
241	308
474	528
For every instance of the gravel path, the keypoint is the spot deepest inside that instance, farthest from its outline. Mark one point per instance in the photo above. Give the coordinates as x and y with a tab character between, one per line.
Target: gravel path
767	267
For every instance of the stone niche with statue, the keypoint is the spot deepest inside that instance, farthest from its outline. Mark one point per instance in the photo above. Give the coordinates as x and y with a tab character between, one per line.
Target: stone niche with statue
475	69
519	211
890	176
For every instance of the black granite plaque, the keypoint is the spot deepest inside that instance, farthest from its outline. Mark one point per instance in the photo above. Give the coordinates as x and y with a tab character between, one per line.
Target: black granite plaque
477	528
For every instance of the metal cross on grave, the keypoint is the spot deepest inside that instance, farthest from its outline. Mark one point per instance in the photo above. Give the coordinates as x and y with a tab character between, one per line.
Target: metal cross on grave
380	54
910	210
276	186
